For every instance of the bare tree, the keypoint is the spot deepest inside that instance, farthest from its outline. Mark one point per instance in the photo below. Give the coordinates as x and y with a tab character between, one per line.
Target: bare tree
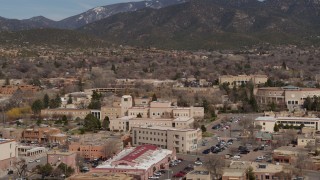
110	148
215	165
21	167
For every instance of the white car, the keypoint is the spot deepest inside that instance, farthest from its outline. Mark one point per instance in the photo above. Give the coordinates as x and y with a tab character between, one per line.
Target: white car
260	157
153	177
198	163
236	157
30	161
157	174
37	160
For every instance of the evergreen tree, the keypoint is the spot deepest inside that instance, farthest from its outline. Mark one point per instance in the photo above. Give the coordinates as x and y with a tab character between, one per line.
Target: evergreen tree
276	127
95	101
37	106
203	128
69	99
205	105
106	123
154	97
91	123
65	120
46	101
7	81
139	116
284	65
113	68
58	100
250	174
308	103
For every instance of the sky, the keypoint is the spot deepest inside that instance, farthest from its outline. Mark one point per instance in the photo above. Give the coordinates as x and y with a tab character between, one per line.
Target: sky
52	9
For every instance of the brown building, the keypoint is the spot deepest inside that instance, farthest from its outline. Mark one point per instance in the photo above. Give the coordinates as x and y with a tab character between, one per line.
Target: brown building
102	176
71	113
56	157
11	89
96	148
42	135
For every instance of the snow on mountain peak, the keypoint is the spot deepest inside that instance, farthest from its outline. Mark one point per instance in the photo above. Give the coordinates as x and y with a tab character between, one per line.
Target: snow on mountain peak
98	9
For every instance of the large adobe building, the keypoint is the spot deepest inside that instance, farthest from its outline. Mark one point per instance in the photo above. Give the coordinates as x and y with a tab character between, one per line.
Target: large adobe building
141	161
290	96
182	140
267	123
149	109
242	79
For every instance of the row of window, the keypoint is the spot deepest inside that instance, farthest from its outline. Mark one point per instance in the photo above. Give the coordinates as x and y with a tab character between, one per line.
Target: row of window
151	139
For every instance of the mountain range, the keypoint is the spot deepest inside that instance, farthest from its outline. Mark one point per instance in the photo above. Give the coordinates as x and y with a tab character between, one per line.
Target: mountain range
82	19
194	24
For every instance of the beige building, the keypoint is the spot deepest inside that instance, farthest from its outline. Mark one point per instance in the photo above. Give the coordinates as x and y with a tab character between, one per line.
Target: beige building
126	123
8	153
72	113
136	111
267	123
27	151
54	158
102	176
304	140
243	79
147	109
182	140
199	173
11	133
262	171
290	96
112	112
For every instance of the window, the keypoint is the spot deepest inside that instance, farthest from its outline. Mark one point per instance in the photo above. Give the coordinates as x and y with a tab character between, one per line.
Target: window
264	123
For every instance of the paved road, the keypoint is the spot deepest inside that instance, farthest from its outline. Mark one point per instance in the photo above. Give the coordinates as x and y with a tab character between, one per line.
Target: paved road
312	175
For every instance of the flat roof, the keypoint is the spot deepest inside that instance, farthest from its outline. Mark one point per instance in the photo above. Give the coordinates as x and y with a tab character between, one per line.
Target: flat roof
2	141
269	118
141	157
68	153
163	128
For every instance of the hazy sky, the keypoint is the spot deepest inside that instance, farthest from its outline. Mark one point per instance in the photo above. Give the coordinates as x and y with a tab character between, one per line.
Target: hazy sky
52	9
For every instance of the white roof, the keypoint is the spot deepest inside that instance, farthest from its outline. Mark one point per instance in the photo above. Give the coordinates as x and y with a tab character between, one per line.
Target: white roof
164	128
182	119
145	163
268	118
265	118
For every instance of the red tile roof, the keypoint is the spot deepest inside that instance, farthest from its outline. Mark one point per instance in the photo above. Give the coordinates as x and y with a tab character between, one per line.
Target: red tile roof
138	151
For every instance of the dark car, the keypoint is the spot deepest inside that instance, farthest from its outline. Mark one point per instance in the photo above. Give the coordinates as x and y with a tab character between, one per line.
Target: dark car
218	126
244	152
207	151
255	149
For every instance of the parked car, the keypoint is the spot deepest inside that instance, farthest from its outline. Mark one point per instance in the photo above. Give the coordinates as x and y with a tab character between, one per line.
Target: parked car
30	161
206	151
244	152
37	160
153	177
157	173
179	175
198	163
236	157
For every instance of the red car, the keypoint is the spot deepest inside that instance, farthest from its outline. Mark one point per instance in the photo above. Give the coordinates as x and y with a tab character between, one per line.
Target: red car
179	175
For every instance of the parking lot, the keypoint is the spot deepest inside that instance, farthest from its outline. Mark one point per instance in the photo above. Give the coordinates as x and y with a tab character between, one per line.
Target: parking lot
218	143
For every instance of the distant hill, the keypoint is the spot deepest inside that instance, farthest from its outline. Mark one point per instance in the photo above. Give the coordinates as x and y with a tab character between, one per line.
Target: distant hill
82	19
214	23
50	37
